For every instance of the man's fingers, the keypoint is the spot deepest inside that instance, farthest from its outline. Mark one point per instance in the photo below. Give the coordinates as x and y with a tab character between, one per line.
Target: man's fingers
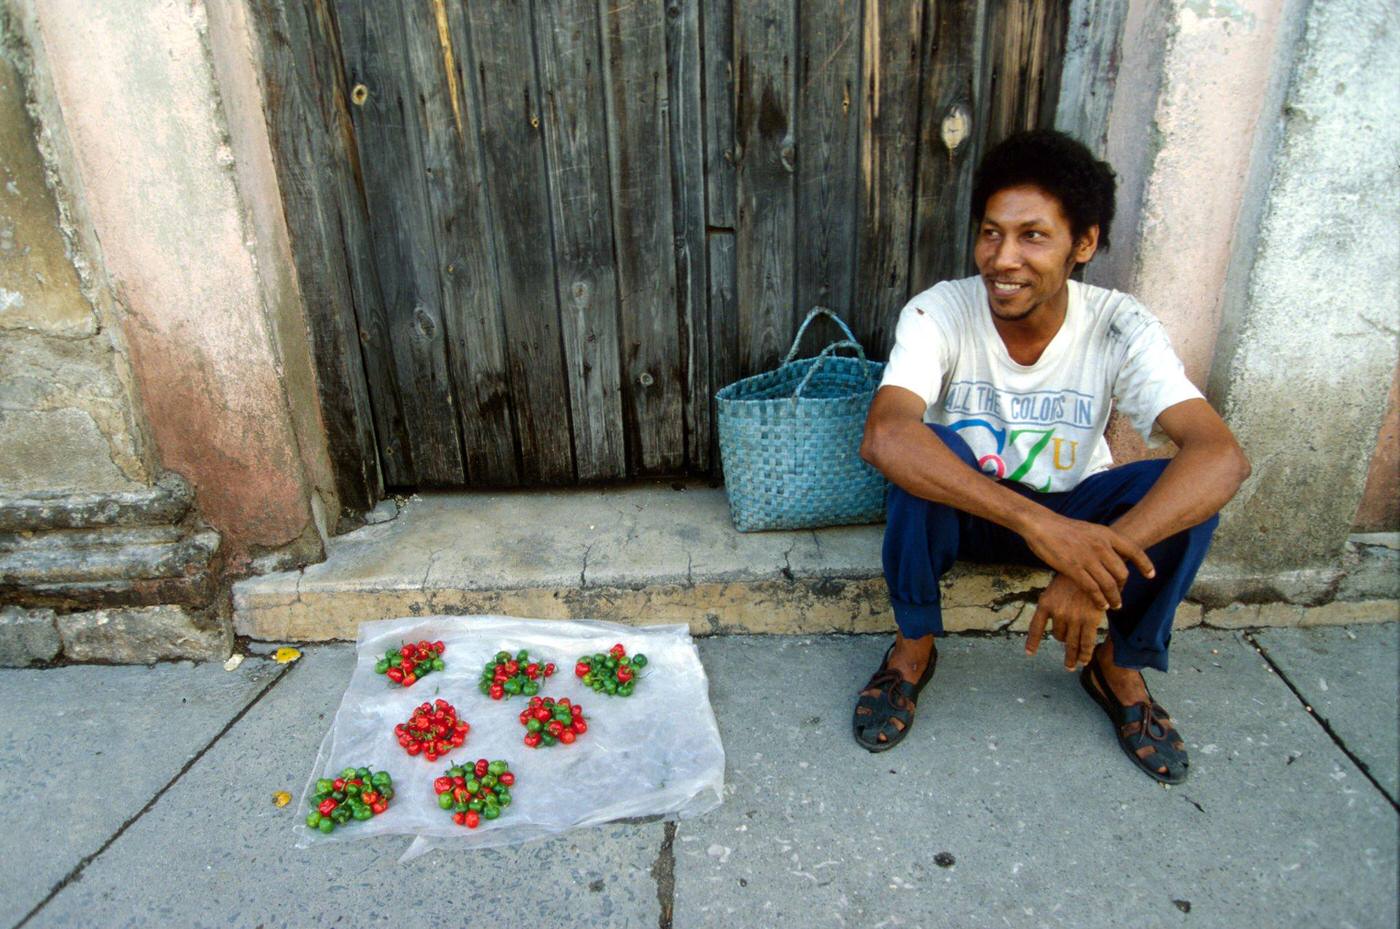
1088	637
1090	586
1130	550
1108	587
1036	631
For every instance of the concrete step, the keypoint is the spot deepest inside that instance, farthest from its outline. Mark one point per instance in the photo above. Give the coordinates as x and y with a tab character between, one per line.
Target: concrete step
637	554
645	554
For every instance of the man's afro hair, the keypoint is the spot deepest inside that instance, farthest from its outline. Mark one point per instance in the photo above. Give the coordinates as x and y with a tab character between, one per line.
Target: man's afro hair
1058	164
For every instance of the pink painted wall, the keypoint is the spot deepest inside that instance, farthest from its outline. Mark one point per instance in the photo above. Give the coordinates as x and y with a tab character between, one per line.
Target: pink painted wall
1380	505
1216	64
134	82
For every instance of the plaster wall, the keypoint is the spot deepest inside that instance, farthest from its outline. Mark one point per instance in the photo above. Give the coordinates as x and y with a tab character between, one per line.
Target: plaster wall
1380	503
136	89
66	418
1306	356
1193	88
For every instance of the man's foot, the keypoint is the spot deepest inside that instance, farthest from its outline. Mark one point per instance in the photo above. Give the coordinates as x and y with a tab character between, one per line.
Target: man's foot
885	708
1145	731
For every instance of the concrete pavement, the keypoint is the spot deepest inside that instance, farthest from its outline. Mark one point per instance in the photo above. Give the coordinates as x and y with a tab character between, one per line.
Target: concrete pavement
1009	805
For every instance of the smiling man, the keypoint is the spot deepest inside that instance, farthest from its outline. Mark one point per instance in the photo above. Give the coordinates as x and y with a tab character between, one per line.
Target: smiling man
990	425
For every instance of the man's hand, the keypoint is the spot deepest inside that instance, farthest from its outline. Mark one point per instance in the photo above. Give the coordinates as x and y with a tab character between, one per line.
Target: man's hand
1076	621
1090	555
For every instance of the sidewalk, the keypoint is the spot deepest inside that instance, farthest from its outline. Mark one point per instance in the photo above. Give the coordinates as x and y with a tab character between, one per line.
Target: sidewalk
143	797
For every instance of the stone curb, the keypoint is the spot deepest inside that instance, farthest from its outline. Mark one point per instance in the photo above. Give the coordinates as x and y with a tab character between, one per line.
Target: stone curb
142	635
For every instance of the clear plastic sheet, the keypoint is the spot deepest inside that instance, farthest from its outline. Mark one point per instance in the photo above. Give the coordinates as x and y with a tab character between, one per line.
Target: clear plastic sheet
655	753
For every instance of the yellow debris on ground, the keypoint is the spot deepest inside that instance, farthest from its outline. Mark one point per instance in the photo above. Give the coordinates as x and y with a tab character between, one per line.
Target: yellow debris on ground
281	798
286	654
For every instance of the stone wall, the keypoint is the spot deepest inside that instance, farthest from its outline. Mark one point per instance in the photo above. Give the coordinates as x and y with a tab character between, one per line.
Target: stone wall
67	420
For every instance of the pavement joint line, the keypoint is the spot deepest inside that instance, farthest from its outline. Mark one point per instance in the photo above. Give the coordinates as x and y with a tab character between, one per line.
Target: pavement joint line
1320	719
78	869
663	871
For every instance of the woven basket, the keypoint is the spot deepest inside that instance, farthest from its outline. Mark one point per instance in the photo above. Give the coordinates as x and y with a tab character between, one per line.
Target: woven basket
789	440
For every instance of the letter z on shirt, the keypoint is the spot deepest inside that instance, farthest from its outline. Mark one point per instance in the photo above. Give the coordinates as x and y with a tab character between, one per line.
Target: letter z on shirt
1041	424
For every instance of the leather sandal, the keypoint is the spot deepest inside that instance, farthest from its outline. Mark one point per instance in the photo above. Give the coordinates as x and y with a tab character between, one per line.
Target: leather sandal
1144	730
895	701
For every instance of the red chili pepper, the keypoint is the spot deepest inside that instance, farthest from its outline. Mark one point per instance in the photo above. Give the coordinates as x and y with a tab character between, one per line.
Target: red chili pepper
472	819
582	668
395	675
339	783
508	778
624	674
406	651
459	818
326	806
379	806
567	736
439	646
617	651
549	669
442	784
414	748
580	727
410	679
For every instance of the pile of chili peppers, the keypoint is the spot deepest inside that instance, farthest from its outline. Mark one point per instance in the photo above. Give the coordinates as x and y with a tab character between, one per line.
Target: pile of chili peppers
504	676
407	664
434	730
475	792
614	673
547	722
358	794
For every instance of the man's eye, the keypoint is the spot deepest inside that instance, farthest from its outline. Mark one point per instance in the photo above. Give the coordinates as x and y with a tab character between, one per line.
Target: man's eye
1035	236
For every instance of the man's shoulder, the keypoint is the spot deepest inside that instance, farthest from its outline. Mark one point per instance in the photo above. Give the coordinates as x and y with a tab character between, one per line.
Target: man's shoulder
947	301
1117	315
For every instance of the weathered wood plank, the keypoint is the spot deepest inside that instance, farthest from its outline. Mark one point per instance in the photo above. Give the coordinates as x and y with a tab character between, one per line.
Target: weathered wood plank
717	50
575	136
724	324
683	78
653	388
947	126
1090	69
504	81
892	35
388	128
1024	45
302	152
764	53
828	132
437	44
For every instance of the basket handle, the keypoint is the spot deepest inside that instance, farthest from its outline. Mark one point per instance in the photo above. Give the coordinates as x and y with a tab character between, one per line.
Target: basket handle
817	311
825	354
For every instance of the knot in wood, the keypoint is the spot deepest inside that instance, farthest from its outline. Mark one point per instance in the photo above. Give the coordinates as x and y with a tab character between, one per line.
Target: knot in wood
424	322
359	95
646	380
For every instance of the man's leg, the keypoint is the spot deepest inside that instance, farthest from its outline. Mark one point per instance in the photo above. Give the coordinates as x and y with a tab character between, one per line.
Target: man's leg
1140	632
922	541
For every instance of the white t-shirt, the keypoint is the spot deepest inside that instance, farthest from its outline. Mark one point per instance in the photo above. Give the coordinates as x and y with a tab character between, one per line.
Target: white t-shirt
1041	424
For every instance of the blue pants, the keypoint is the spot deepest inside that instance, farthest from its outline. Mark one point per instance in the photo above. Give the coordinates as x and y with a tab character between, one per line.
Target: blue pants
923	539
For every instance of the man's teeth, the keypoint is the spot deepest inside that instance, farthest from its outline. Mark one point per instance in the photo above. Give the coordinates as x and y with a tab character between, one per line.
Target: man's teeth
1006	288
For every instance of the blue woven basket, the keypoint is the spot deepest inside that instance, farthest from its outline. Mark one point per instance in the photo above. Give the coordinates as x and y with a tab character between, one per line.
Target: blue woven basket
789	440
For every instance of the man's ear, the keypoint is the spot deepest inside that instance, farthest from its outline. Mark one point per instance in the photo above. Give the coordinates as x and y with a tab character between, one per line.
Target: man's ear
1086	245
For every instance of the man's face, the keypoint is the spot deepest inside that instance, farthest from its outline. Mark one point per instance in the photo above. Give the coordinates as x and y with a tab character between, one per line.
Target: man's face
1025	252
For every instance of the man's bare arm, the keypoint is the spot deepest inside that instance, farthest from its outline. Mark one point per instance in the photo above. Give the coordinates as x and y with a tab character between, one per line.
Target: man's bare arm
901	447
1206	472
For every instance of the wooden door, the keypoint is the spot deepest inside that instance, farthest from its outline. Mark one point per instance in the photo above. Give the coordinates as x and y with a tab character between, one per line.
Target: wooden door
538	235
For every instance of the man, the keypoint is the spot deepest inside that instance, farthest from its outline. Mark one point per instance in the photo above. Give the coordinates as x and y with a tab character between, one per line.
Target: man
990	425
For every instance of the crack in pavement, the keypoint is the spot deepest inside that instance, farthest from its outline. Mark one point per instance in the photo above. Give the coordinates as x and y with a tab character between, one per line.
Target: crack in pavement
663	871
1320	720
78	869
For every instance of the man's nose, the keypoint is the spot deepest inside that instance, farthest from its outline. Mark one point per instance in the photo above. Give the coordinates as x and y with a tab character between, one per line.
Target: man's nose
1007	255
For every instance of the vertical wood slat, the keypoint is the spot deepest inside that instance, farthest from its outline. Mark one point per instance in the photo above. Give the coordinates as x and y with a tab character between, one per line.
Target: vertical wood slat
436	39
764	32
299	110
1089	71
947	133
1024	39
721	158
389	133
828	132
684	72
639	136
721	183
508	95
892	35
576	147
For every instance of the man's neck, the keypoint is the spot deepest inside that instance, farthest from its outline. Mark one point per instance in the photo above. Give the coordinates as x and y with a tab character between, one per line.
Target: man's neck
1027	338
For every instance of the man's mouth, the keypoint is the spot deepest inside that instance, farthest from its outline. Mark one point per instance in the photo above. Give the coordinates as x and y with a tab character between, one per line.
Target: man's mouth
1007	288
